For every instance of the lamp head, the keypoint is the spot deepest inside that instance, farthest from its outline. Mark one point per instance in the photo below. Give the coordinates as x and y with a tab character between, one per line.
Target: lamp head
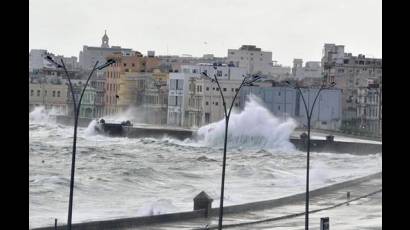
106	64
50	59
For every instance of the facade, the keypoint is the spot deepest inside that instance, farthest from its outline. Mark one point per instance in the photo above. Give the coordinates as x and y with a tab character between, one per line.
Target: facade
279	72
173	63
312	69
155	98
125	80
368	111
89	55
194	101
285	102
350	73
87	108
252	58
98	83
53	96
36	60
70	62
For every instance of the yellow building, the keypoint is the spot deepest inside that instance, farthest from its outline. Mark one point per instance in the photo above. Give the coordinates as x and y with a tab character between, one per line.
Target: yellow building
51	96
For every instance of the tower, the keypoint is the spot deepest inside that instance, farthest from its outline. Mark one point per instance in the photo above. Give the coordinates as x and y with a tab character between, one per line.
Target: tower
105	39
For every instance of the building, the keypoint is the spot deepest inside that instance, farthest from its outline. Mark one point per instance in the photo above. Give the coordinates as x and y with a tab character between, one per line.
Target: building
71	63
312	69
285	102
279	72
87	108
98	82
155	98
350	73
194	101
125	80
173	63
252	58
89	55
36	60
368	120
50	94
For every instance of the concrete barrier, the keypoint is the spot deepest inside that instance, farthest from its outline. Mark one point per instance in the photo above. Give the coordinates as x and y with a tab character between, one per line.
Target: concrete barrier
182	216
337	146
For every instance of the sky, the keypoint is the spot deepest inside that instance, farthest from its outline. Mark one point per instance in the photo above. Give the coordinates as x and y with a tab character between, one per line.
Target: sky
288	28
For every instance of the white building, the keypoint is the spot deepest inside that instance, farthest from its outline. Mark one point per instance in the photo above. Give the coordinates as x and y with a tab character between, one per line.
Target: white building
37	60
312	69
91	54
194	101
252	58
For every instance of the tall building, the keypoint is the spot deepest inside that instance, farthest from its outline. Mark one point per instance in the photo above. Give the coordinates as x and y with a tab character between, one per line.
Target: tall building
36	60
125	80
350	73
90	54
252	58
194	101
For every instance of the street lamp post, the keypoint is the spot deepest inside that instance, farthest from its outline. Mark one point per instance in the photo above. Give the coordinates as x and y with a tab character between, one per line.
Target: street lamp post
76	115
309	112
247	81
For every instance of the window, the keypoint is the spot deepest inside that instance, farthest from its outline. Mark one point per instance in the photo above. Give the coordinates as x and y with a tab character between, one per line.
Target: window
132	64
125	64
216	103
38	93
224	89
279	107
219	73
232	89
217	89
252	58
278	93
206	103
207	88
32	93
236	104
45	93
54	93
58	93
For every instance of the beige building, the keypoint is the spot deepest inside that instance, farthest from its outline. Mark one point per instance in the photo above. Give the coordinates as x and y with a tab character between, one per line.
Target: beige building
125	81
49	95
155	98
351	73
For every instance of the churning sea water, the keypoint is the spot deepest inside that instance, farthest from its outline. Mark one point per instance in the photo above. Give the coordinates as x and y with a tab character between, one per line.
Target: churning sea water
122	177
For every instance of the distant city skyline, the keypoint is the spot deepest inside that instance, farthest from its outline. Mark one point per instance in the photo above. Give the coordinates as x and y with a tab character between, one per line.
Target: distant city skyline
289	29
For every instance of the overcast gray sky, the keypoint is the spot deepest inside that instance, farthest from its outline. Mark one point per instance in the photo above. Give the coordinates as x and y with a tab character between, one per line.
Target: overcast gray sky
288	28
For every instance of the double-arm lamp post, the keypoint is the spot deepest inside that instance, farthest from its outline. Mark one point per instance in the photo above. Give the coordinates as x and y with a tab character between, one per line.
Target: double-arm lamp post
247	81
76	115
309	112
